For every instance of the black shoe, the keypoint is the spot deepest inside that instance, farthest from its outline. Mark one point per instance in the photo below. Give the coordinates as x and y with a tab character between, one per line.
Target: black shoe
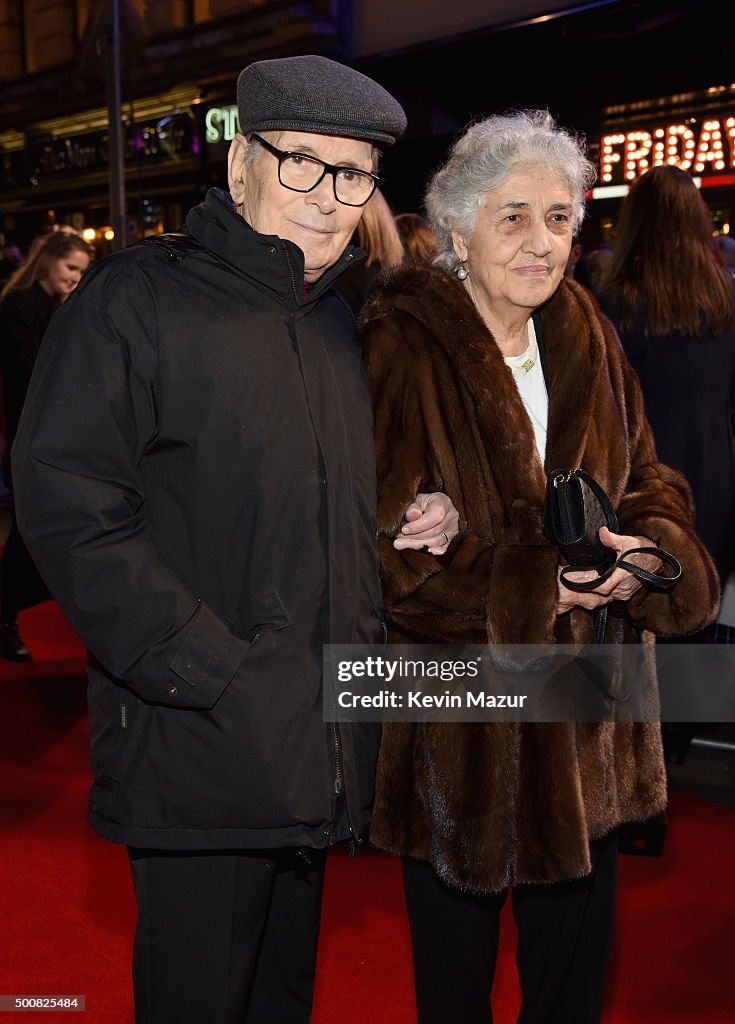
11	644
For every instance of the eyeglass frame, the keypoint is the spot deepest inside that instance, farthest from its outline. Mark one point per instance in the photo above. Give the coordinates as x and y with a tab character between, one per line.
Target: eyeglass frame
281	154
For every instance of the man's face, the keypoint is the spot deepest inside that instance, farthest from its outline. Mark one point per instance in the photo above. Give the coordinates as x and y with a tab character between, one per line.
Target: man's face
319	224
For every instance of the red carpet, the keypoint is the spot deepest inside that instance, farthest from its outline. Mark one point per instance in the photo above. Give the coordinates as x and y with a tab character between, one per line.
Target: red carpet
66	899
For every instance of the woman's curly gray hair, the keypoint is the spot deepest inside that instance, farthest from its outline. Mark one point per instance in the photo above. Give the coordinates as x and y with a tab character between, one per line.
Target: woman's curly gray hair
482	159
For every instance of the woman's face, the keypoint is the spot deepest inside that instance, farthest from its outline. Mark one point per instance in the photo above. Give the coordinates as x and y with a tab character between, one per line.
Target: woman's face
520	245
65	273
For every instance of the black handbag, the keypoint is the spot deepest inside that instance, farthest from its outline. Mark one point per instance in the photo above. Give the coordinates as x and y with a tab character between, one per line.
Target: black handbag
575	507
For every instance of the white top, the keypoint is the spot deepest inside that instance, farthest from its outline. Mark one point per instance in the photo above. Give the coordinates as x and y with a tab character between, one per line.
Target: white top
529	378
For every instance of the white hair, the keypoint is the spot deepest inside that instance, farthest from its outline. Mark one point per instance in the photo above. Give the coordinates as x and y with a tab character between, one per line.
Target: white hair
482	159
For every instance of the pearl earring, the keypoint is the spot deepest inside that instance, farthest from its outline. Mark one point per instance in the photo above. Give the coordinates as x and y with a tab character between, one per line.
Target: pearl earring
461	271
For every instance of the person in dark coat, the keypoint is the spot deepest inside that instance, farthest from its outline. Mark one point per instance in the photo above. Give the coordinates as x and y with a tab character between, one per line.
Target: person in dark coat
673	304
195	474
27	302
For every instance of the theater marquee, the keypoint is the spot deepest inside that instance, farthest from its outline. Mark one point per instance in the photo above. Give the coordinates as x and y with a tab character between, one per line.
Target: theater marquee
703	146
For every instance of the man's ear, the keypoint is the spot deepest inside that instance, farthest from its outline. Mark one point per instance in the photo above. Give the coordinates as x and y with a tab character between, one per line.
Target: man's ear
460	246
236	168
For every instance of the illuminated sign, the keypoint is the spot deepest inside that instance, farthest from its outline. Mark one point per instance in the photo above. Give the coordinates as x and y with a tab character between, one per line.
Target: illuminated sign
168	138
703	146
221	123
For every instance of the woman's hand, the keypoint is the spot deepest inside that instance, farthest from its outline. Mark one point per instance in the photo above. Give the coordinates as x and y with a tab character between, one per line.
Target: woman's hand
431	521
619	586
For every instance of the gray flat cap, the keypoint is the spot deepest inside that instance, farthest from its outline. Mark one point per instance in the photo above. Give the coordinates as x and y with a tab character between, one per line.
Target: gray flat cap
315	94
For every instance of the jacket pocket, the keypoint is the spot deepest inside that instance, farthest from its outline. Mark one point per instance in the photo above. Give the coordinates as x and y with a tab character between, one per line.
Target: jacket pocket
261	615
133	726
118	727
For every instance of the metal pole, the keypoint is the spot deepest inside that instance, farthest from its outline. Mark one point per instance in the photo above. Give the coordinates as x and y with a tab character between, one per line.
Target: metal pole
116	145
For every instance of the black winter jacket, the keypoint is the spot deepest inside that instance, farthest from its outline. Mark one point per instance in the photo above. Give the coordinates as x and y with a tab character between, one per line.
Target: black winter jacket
688	386
195	476
24	316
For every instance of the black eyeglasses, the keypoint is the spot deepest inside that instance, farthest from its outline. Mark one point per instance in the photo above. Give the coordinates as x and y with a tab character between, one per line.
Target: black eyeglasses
302	173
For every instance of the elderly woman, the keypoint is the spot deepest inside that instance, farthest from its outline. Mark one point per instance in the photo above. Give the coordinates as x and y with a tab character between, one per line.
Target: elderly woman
488	369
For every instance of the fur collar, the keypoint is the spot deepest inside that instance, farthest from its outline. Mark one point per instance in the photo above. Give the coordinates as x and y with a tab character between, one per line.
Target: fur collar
572	338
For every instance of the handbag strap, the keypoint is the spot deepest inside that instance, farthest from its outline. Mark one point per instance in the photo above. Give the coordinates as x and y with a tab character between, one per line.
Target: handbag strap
654	579
663	580
596	677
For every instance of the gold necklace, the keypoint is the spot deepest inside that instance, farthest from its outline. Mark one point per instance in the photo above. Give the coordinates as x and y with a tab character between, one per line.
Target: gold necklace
521	369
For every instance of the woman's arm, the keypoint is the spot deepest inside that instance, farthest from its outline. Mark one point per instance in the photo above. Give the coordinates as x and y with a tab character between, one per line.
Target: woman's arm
477	587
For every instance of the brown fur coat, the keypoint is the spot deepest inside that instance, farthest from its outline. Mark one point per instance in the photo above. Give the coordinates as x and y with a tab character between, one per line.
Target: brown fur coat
491	805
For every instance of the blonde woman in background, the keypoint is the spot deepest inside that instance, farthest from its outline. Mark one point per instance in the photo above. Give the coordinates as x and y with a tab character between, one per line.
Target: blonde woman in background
418	239
28	300
378	235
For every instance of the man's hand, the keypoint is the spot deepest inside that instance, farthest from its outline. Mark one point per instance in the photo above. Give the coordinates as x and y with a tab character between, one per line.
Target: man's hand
619	586
431	521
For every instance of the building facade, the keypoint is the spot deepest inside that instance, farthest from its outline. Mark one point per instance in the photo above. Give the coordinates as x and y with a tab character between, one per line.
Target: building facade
178	64
644	82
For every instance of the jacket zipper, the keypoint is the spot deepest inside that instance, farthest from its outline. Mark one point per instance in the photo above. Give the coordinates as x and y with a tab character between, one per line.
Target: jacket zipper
297	297
338	772
336	738
338	762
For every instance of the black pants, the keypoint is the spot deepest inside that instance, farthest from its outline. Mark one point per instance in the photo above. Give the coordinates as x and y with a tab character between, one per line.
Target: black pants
226	938
564	936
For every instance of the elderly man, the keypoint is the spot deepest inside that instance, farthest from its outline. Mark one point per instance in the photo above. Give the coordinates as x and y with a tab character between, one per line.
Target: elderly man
195	477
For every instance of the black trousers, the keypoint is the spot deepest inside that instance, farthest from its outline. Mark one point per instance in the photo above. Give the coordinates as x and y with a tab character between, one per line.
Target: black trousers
564	937
226	938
